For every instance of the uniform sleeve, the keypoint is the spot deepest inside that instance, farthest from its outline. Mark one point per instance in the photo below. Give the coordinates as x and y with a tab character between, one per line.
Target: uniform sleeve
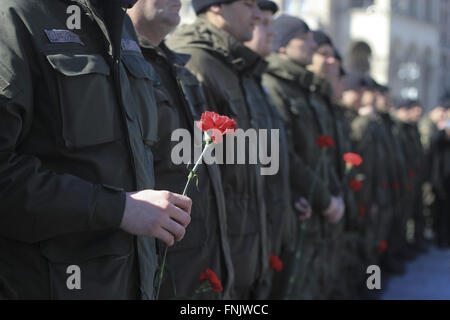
302	176
35	203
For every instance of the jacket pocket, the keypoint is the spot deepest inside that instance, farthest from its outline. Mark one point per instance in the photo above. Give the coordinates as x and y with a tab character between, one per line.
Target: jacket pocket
91	265
140	91
87	99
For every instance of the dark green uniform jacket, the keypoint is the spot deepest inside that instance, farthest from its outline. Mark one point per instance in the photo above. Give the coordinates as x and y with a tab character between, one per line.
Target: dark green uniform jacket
281	225
288	85
77	119
220	64
415	172
296	96
281	221
180	103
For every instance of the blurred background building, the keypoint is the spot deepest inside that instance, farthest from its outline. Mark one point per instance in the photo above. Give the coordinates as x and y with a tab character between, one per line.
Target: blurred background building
402	43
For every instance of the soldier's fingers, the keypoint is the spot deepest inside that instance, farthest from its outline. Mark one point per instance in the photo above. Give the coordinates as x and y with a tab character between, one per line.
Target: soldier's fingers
182	202
304	202
180	216
165	236
176	230
300	207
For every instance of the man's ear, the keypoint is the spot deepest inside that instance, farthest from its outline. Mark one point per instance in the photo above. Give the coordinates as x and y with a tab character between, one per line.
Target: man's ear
282	50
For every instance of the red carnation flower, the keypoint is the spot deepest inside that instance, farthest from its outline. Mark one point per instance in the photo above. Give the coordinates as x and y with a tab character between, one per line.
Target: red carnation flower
356	185
385	185
211	277
362	211
219	125
275	263
353	159
325	142
411	174
396	185
383	246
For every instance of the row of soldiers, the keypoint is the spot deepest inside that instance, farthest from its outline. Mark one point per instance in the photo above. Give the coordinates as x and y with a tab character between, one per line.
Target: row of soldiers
88	119
326	223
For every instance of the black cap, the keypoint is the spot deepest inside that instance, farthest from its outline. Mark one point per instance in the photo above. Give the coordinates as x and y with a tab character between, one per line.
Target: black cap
408	104
322	38
266	5
202	5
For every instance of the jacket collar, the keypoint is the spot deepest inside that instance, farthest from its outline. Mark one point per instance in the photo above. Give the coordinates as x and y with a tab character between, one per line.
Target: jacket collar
322	87
162	51
290	71
209	37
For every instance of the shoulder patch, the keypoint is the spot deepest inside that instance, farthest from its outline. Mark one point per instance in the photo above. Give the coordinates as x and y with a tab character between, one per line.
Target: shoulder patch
63	36
130	45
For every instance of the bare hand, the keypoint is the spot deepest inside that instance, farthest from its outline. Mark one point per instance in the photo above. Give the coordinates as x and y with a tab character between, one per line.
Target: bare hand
302	206
335	211
157	214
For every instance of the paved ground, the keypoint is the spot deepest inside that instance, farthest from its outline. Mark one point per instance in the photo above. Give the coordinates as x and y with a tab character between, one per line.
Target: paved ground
426	278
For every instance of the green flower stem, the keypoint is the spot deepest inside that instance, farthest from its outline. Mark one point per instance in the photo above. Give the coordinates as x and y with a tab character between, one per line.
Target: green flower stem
194	170
190	177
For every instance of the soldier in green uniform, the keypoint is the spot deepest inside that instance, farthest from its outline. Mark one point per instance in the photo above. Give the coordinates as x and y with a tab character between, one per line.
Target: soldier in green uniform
282	224
77	119
365	142
391	216
326	69
181	102
346	241
227	70
374	201
408	115
289	84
